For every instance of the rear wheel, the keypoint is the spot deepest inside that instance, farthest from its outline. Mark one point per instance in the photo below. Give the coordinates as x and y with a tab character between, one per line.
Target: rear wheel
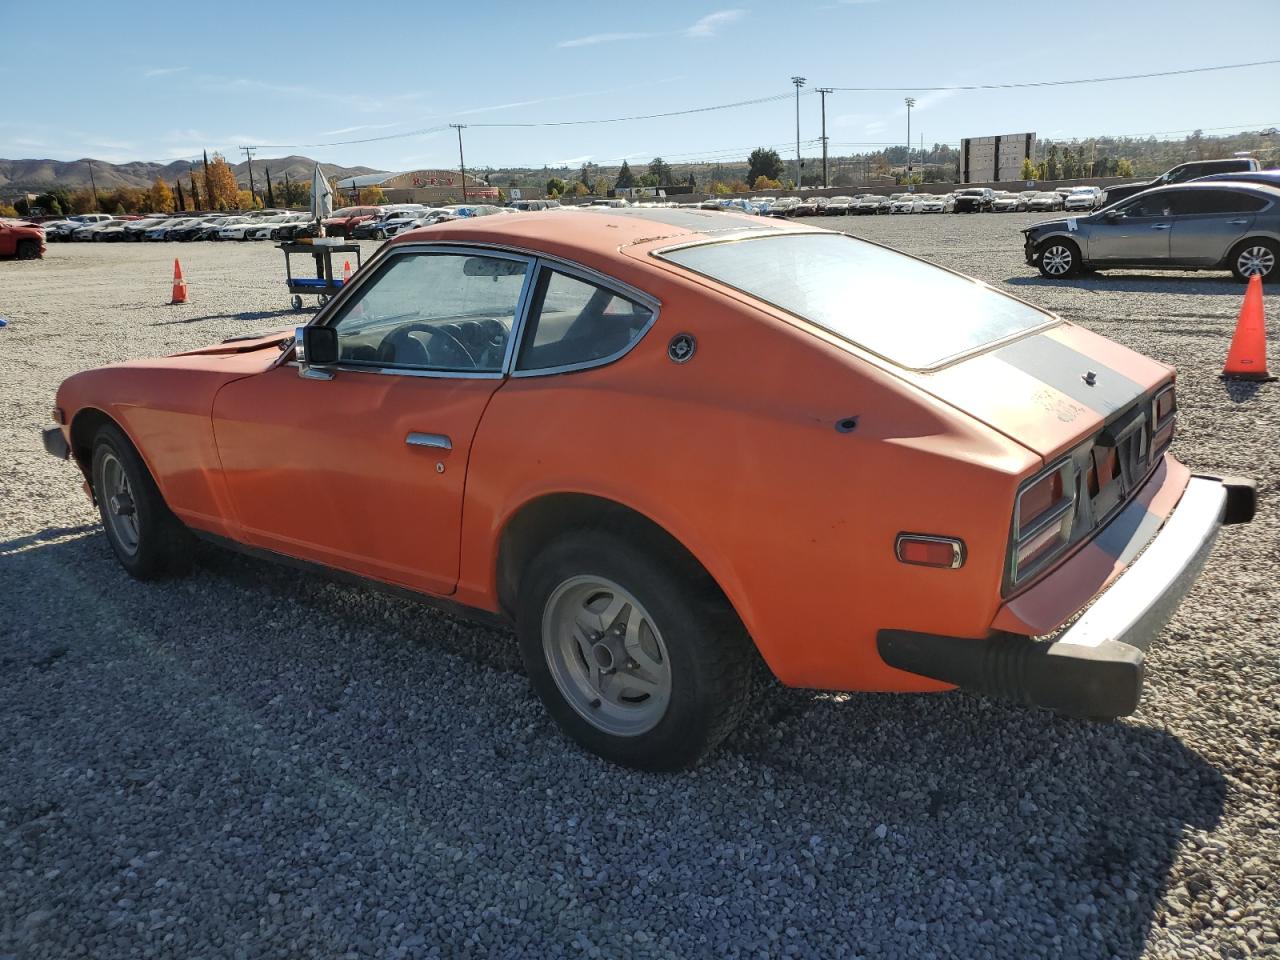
1258	258
27	250
1058	259
640	662
149	541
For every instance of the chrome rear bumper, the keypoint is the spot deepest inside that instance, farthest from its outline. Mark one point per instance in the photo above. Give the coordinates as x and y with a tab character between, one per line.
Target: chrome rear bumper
1095	667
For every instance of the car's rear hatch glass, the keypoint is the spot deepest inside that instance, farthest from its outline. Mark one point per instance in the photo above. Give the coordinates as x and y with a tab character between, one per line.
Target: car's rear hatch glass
907	311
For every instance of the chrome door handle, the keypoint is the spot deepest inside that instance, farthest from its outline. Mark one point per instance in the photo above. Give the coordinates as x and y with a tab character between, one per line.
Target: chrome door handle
437	441
1237	223
1162	226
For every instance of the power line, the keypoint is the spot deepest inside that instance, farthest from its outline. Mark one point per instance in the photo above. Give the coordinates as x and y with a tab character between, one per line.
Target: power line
1061	83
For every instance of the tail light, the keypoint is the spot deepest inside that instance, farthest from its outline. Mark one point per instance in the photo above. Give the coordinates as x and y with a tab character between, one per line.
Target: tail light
1042	518
930	551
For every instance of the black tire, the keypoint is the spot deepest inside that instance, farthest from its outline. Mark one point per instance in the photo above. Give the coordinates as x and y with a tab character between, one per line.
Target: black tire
707	652
1063	257
163	545
1259	251
27	250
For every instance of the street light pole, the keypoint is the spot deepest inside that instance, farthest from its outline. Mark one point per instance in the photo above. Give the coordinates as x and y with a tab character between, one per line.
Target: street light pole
461	162
910	102
823	91
799	82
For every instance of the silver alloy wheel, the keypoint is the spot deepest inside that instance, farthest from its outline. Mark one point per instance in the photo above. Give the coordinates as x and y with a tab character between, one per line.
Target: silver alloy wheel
1057	260
1257	260
119	508
606	656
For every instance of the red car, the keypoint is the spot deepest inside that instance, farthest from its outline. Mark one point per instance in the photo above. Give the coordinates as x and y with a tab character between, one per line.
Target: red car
345	220
20	239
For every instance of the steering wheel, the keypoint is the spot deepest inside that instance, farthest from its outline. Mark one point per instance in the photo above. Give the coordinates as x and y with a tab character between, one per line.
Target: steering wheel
395	341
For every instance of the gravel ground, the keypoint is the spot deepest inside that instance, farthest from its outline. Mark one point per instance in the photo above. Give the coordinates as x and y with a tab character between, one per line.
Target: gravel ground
253	763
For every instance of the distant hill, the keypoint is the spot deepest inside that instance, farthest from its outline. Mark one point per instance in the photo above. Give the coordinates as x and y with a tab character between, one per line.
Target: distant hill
36	176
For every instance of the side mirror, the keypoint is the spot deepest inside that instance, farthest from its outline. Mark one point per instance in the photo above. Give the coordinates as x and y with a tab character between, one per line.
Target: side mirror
316	345
1113	214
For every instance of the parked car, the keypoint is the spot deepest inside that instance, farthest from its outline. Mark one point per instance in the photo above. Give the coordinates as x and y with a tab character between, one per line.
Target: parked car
1006	202
266	227
63	229
904	204
160	230
936	203
136	230
872	204
806	207
838	206
90	230
783	207
1046	200
112	232
344	221
20	239
195	229
975	200
1182	173
232	228
1194	226
993	524
1082	198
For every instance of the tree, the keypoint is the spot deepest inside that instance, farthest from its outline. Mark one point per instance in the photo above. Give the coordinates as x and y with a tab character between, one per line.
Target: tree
82	201
691	182
765	183
579	188
555	187
180	202
195	193
271	197
764	163
601	187
584	175
1124	168
660	169
372	195
648	180
1028	169
7	211
221	187
1051	163
22	206
50	204
625	177
160	197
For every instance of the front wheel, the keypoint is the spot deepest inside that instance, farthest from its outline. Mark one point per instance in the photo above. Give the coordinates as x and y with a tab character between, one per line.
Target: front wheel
28	250
149	541
639	661
1255	258
1058	259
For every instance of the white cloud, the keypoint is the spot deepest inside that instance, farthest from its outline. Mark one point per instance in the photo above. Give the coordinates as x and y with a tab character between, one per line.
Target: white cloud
363	126
162	71
710	25
593	39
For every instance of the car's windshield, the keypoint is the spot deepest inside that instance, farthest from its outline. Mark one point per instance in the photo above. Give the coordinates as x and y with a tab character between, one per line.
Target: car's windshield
909	312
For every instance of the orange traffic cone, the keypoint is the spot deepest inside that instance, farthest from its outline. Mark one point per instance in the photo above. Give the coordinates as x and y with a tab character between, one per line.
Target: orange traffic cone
346	272
179	285
1247	358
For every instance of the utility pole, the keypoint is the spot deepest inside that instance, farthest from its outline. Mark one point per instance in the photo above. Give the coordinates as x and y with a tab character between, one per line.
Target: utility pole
823	91
461	162
96	205
910	102
799	82
248	155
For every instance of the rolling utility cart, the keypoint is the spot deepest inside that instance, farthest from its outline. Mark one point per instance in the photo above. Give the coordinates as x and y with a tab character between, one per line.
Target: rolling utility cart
327	280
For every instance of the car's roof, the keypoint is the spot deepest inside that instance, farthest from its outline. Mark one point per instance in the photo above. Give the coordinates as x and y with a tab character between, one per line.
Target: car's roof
600	231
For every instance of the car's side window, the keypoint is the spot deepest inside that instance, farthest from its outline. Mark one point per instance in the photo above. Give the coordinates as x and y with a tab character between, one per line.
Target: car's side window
1217	202
573	321
449	312
1156	205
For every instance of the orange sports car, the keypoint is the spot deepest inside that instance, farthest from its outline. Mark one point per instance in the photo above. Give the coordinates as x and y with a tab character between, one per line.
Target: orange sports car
666	443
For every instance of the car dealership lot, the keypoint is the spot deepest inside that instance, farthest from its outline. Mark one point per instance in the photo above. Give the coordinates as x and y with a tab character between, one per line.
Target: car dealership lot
257	762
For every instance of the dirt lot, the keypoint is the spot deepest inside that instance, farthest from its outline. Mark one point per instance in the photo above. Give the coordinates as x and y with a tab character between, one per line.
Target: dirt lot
253	763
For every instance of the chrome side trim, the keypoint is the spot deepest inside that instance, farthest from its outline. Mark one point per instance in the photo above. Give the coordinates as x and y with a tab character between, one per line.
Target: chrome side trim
437	441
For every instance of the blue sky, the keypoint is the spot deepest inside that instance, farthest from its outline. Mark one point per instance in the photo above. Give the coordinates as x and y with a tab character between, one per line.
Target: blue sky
145	81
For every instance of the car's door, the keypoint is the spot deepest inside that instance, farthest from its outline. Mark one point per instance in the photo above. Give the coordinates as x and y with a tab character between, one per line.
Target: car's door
1134	231
8	245
362	465
1208	223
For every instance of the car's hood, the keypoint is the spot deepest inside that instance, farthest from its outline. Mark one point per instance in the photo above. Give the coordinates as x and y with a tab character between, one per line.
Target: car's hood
1063	223
1035	389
